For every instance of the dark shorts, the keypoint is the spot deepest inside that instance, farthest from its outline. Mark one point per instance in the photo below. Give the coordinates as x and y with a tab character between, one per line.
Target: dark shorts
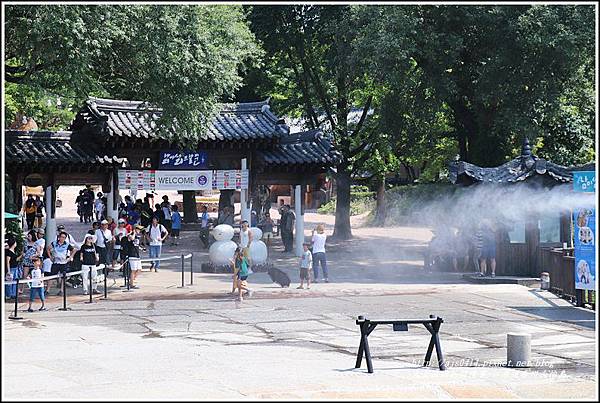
243	278
488	252
303	273
58	268
175	232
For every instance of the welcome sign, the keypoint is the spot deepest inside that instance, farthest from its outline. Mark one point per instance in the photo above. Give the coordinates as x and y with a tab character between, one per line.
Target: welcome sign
183	180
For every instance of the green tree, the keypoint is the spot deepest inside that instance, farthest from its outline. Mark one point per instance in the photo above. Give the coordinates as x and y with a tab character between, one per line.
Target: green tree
183	59
318	74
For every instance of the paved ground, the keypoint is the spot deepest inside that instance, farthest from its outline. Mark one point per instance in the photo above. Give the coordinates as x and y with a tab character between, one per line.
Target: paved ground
164	342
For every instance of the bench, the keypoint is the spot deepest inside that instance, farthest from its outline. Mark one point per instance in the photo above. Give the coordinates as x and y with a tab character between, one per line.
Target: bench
367	326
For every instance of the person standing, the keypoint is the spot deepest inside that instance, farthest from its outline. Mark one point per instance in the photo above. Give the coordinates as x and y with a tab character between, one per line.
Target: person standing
30	210
131	245
103	240
175	224
87	201
61	253
319	257
226	216
156	234
477	245
306	261
287	228
241	269
11	267
69	239
39	212
99	207
89	263
488	250
30	249
40	244
246	235
79	203
165	206
37	284
204	229
266	226
118	234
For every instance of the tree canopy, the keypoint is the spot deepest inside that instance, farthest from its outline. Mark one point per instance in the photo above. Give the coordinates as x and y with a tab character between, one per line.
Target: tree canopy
183	59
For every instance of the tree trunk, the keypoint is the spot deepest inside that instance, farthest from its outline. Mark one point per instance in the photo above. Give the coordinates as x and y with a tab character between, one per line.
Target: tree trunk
342	229
190	213
380	209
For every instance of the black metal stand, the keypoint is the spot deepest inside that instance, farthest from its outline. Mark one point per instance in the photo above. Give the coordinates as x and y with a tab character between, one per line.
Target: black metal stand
192	269
182	272
64	292
15	315
105	290
128	277
367	326
90	288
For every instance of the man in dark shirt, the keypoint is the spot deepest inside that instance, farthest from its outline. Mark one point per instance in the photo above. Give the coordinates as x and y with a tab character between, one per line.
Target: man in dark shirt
89	260
132	246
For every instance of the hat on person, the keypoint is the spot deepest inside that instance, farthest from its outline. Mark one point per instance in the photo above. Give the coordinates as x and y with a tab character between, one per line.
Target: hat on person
122	221
41	231
60	227
103	222
88	235
138	226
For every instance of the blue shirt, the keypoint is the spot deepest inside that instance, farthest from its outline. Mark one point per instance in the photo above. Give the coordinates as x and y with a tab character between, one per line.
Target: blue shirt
176	220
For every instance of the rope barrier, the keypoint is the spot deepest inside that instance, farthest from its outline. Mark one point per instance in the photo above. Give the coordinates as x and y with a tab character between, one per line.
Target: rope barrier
160	259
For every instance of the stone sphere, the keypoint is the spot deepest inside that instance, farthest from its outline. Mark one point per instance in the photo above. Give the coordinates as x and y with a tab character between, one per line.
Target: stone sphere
258	252
221	251
223	232
256	233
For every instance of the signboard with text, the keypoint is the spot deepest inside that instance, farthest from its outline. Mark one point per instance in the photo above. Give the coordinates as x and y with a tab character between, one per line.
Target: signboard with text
151	180
183	160
584	219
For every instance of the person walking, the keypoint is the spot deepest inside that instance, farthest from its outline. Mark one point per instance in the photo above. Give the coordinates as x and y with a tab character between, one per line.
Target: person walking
30	249
39	212
319	257
175	225
89	263
30	209
246	235
11	268
306	261
156	234
37	284
241	270
104	238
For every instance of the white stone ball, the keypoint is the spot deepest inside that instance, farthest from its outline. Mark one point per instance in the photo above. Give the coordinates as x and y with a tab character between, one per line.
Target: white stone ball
256	233
221	251
223	232
258	252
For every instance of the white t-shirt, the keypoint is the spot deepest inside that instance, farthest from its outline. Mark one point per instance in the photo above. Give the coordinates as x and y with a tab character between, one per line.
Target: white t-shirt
319	243
47	265
100	239
119	233
244	238
98	205
306	262
155	234
36	276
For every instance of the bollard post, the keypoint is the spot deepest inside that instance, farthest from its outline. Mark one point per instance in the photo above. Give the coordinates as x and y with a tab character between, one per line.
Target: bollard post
90	287
192	269
15	315
64	292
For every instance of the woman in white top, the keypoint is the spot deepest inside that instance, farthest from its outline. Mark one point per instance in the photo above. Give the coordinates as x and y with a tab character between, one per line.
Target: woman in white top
156	234
318	252
245	235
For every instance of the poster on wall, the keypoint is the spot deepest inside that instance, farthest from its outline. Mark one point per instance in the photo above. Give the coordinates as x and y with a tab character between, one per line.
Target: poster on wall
584	242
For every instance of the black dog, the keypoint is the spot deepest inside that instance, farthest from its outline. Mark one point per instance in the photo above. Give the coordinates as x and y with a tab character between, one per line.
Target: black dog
279	277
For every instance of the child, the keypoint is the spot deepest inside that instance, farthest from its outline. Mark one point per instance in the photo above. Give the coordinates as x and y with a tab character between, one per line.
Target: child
175	224
305	267
37	285
47	269
241	270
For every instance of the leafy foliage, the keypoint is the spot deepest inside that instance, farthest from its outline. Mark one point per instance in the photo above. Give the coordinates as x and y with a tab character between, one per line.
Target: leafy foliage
183	59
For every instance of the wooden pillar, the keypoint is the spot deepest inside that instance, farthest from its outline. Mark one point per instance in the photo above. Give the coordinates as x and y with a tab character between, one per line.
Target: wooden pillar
190	213
299	211
50	202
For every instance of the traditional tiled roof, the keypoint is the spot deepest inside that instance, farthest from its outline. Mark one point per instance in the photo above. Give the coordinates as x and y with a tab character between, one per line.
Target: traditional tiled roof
241	121
52	148
309	147
524	166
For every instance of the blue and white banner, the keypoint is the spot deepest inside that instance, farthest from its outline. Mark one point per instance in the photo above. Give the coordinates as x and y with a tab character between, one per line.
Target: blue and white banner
584	241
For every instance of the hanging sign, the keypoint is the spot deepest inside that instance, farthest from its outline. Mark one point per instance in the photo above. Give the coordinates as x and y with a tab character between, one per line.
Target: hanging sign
183	160
151	180
584	220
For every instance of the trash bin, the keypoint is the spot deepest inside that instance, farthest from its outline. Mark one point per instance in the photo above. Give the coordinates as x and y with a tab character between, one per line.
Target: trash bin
545	277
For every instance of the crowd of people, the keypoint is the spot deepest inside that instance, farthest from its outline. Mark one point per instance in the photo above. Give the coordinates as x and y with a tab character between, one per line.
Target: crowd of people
139	228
